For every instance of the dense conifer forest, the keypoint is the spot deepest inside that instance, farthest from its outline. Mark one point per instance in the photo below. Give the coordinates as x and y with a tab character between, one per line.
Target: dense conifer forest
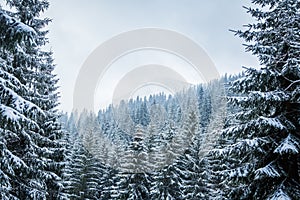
237	137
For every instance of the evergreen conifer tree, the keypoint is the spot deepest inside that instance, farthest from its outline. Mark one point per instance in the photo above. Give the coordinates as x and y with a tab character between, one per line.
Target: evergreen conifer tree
30	133
261	147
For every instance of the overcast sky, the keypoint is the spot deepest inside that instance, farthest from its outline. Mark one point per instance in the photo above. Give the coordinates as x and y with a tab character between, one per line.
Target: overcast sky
79	26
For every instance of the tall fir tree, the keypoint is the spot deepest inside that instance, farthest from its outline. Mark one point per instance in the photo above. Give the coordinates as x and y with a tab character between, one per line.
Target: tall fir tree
261	147
35	142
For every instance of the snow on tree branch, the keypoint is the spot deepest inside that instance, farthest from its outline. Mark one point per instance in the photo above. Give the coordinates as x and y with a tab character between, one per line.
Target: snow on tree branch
289	145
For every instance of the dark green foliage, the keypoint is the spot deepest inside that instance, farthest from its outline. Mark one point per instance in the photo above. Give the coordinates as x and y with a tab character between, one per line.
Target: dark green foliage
30	152
260	148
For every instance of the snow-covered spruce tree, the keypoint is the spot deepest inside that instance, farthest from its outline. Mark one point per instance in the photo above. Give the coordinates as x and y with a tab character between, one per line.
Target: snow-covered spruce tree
207	180
262	151
157	137
46	97
189	163
204	106
84	175
89	130
28	130
168	182
200	128
74	176
115	185
43	92
16	113
135	167
123	184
